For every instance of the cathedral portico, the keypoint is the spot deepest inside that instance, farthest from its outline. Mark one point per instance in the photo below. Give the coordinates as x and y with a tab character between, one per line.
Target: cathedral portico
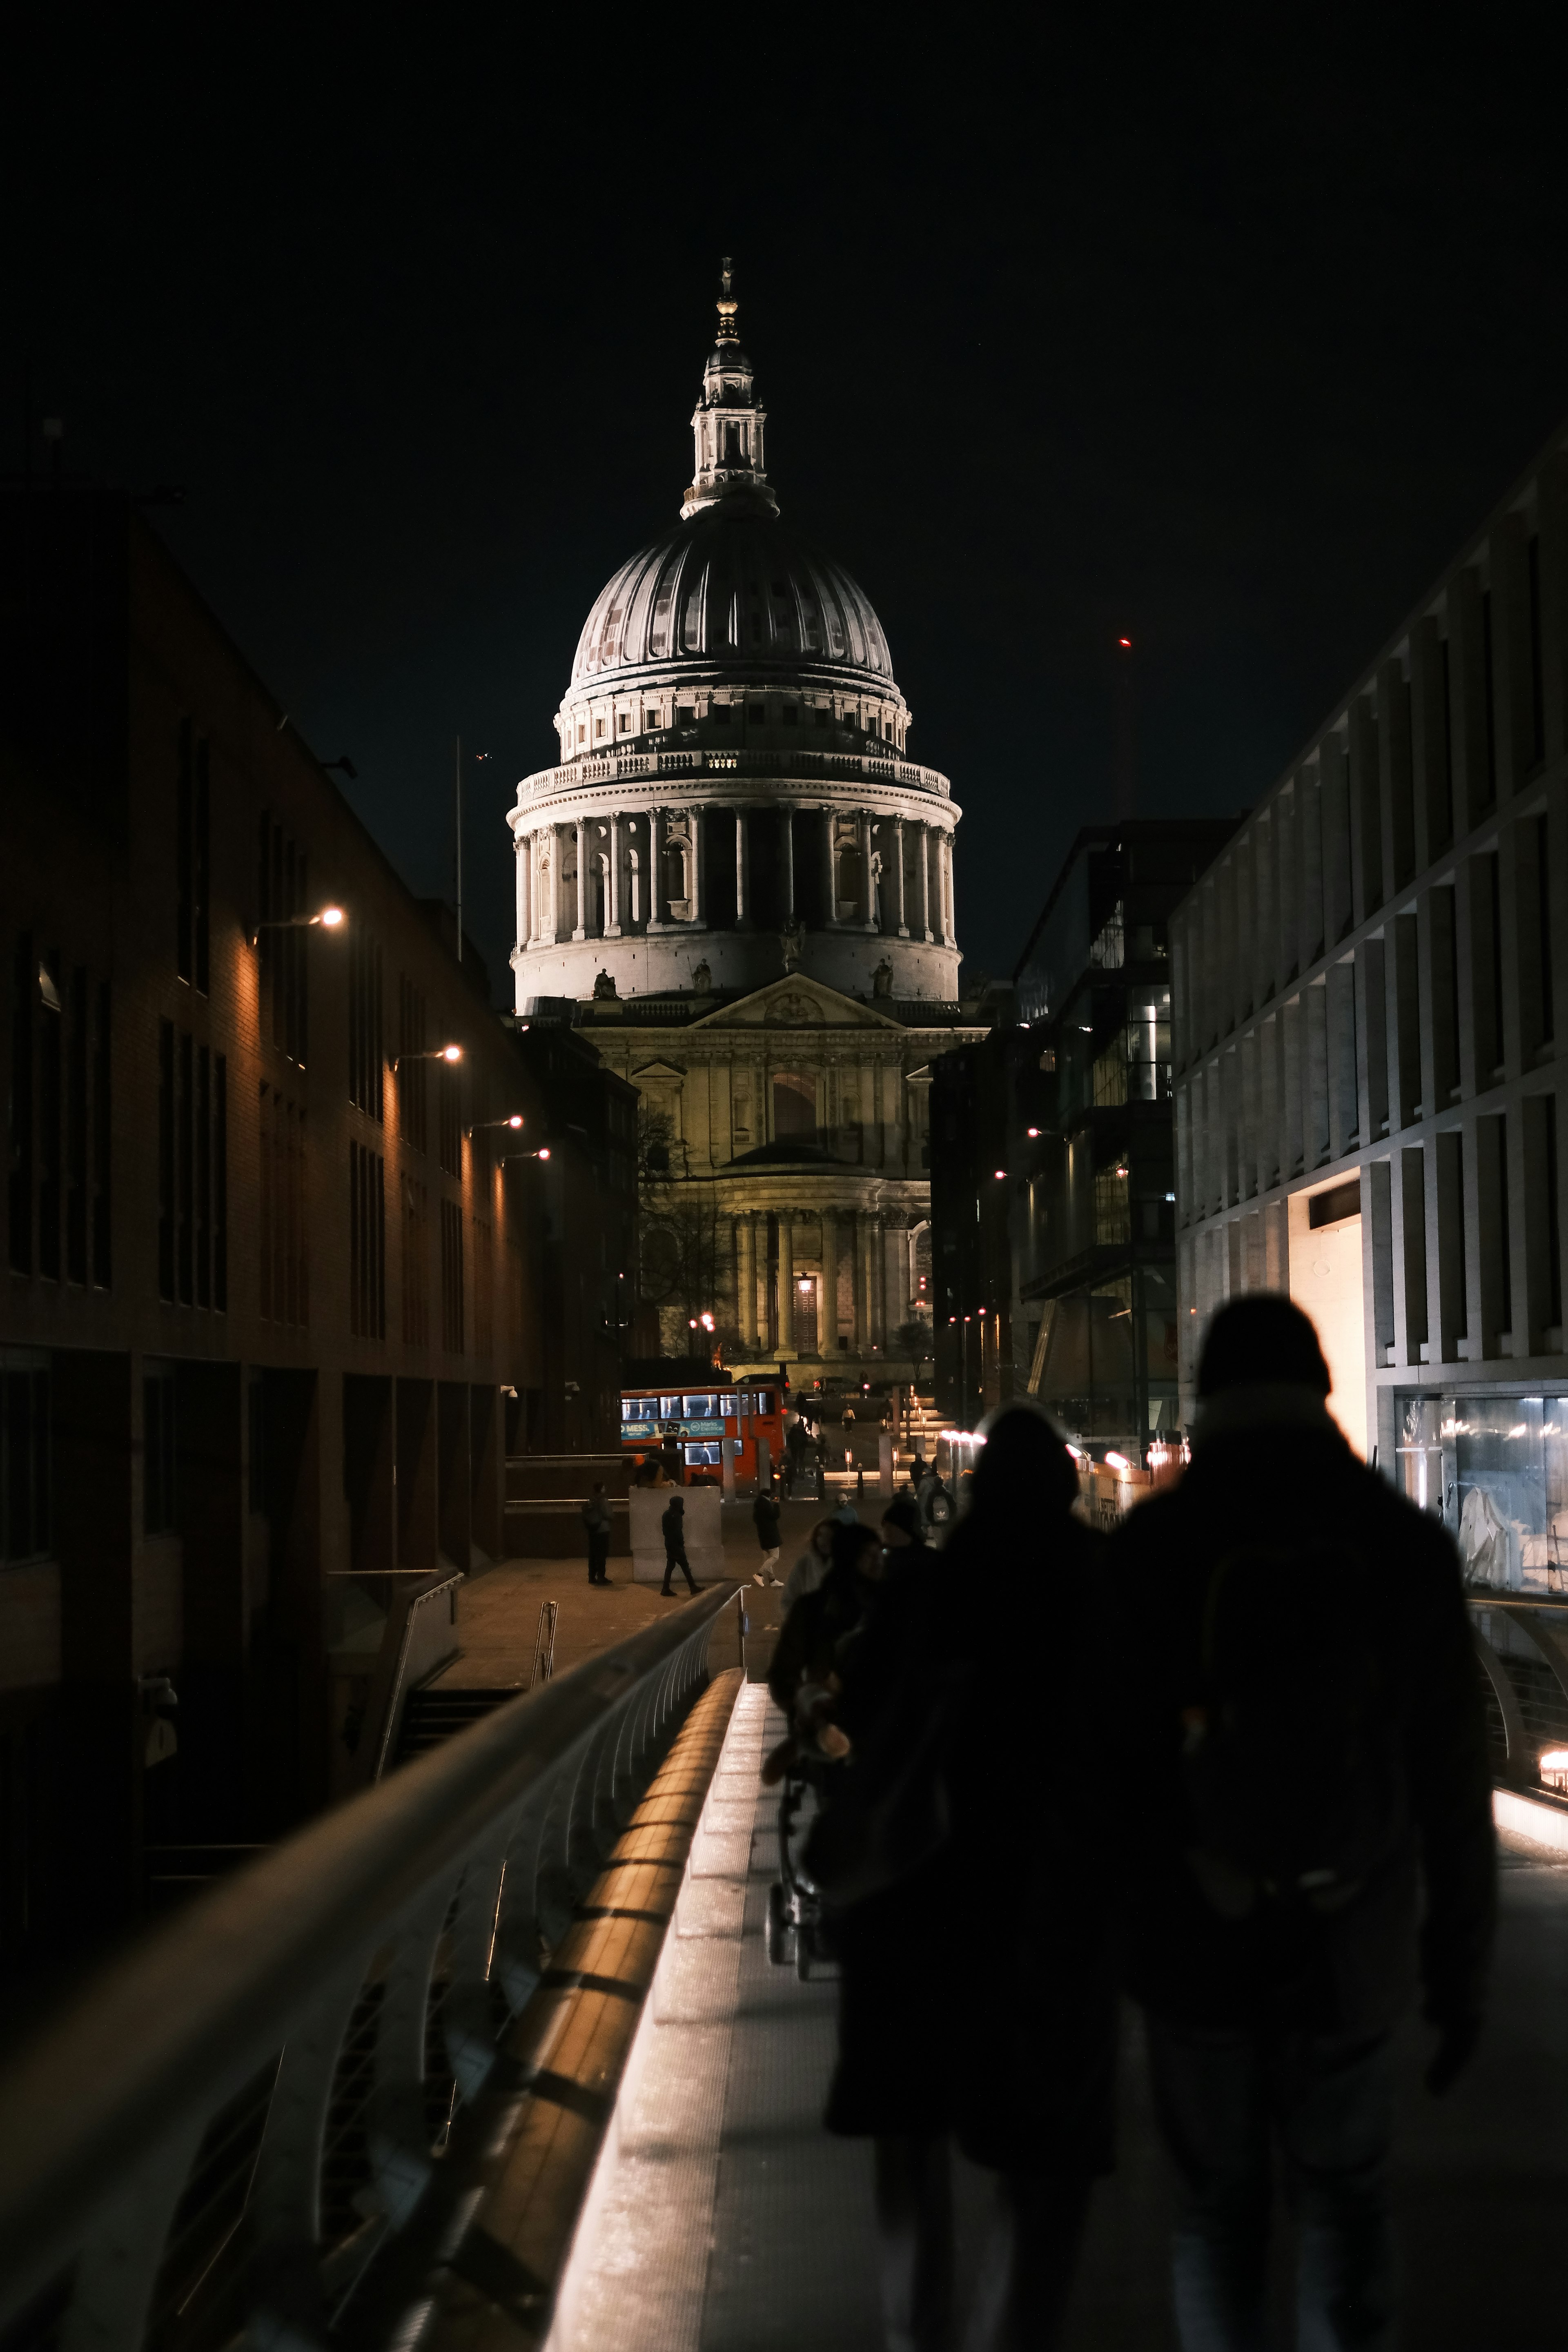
740	883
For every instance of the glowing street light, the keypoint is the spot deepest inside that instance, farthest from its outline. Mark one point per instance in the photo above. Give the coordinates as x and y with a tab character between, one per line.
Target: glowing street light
328	919
515	1120
434	1054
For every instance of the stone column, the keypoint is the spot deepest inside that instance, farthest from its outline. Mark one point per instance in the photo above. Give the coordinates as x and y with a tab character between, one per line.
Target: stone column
786	1284
786	830
746	1280
897	907
581	931
550	890
876	1302
925	880
743	869
868	920
860	1328
829	891
613	901
525	873
654	885
949	936
694	897
827	1314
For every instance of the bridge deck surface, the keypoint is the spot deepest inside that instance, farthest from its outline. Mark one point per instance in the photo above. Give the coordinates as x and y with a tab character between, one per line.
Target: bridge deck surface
726	2220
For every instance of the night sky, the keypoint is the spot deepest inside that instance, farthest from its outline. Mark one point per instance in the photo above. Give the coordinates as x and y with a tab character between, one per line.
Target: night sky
1212	339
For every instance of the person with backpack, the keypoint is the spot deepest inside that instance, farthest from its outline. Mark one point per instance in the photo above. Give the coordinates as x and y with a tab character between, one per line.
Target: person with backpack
1307	1798
673	1525
765	1519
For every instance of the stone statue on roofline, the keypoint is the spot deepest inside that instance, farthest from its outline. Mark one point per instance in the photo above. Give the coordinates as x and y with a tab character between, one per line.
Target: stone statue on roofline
603	987
791	939
882	979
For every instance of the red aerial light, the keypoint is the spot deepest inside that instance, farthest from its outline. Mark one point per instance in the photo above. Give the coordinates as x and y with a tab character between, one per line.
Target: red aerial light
1125	641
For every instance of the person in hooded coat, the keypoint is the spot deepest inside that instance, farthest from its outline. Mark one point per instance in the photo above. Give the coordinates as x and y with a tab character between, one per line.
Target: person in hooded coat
1010	1917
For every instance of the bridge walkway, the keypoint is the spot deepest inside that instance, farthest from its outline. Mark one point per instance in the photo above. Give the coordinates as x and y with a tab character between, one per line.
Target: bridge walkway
725	2219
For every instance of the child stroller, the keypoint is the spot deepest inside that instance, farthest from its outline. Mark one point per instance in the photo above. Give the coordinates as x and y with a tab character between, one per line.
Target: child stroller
797	1930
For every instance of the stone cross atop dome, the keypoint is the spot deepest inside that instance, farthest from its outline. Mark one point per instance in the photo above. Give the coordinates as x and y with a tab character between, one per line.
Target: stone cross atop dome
728	422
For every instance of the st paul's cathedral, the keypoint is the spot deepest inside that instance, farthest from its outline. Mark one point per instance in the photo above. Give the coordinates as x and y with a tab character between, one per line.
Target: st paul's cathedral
738	883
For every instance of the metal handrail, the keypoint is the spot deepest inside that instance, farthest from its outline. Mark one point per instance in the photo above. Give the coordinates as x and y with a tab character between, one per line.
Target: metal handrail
420	1913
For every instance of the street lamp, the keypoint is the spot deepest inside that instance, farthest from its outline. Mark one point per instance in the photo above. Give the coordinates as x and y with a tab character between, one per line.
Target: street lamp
514	1120
435	1054
328	917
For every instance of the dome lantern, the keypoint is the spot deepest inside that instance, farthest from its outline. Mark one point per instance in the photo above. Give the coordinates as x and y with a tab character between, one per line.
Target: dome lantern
727	422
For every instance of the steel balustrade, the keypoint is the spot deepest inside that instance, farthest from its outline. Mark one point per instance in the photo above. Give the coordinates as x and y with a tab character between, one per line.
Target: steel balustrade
227	2134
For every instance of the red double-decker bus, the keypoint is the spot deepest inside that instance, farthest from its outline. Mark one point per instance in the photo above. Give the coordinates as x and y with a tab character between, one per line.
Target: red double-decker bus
696	1421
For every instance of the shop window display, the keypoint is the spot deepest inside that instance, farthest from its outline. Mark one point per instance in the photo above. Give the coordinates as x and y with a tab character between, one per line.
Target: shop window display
1495	1470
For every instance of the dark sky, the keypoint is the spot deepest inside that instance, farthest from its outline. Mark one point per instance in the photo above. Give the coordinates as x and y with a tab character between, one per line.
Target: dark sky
1222	338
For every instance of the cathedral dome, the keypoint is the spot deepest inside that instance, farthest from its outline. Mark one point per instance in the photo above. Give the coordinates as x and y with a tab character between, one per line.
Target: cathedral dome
732	589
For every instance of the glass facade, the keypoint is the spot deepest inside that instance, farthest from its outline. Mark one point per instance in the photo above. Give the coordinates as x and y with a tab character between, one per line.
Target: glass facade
1495	1470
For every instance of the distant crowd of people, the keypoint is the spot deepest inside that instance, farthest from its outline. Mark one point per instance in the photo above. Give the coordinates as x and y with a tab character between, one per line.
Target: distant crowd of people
1230	1761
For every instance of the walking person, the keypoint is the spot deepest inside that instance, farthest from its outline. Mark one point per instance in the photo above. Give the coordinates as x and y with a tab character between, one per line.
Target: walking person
810	1568
929	1699
765	1519
673	1523
598	1519
1307	1804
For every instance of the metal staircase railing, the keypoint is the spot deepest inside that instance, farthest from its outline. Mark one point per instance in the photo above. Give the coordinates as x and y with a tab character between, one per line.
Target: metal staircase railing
232	2132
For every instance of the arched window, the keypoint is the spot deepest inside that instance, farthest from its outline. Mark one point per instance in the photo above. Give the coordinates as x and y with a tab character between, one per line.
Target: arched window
849	880
794	1104
675	869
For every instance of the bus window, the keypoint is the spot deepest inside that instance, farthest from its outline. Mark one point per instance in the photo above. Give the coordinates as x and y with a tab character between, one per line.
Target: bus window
669	1408
705	1450
729	1405
764	1400
637	1409
701	1408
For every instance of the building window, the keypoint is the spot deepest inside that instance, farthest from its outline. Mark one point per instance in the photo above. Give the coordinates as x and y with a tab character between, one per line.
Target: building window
282	886
367	1244
484	1287
75	1129
452	1277
598	729
26	1481
193	1172
1537	670
623	722
50	1172
413	1073
366	1052
281	1234
416	1264
101	1157
193	858
821	717
158	1455
449	1116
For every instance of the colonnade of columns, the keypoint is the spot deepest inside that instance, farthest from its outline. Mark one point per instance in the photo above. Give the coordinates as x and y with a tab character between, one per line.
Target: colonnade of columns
767	1297
622	882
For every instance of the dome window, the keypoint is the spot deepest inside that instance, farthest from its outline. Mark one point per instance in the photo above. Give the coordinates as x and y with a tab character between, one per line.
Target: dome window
721	714
757	711
821	717
791	715
623	722
598	729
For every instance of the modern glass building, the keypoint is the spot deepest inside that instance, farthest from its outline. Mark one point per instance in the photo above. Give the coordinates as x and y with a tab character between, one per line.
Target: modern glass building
1368	1009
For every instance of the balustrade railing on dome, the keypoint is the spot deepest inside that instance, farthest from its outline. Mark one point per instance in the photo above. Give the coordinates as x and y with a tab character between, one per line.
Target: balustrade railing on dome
239	2132
612	767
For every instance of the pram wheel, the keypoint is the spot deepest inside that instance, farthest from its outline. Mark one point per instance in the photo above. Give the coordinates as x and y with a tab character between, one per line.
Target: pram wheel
781	1933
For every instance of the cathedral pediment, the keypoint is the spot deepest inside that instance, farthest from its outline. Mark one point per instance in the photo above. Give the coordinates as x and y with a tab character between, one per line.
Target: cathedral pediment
796	1002
642	1072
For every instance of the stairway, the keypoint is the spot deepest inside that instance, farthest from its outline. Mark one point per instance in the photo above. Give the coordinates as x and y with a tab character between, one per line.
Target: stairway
434	1714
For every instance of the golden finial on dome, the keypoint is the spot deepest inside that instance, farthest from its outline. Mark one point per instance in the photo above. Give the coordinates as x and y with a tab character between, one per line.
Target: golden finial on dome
728	330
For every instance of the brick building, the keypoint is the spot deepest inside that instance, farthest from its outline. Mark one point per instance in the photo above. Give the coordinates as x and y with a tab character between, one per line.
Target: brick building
277	1301
1370	1008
